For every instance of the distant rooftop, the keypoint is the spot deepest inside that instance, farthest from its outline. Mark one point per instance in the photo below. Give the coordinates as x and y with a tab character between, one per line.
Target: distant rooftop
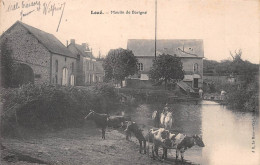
180	47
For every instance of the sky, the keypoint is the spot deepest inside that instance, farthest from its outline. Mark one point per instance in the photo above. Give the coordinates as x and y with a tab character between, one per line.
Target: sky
224	25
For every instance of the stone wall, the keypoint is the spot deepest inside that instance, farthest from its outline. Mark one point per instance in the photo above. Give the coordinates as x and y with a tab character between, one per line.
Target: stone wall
63	62
27	49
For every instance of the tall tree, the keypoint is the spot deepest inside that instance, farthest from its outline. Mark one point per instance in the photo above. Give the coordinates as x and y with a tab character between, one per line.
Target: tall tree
118	64
167	67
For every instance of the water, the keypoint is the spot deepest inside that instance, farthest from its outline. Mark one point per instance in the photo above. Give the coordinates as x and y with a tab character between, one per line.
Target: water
230	137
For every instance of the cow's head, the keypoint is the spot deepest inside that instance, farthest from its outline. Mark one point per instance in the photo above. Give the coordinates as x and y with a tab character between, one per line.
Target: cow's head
130	126
198	140
89	116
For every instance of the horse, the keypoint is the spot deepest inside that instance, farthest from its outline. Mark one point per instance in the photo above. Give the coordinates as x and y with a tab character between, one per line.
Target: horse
168	120
181	143
101	121
156	118
162	118
133	127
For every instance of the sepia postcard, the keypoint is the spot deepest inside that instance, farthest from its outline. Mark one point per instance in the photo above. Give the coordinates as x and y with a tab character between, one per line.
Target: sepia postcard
130	82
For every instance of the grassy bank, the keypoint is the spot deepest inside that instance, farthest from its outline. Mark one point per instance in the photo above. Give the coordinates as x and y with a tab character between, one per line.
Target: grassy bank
43	107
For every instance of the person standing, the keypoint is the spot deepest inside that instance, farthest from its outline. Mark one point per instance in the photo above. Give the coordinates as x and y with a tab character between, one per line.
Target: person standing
201	93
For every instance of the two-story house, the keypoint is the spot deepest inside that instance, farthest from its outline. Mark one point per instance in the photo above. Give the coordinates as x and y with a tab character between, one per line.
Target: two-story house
190	51
89	70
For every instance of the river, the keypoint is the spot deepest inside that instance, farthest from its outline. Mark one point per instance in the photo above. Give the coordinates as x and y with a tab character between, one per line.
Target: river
230	137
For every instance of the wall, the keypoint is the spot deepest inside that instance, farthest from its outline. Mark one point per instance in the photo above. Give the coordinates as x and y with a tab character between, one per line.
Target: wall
26	49
63	62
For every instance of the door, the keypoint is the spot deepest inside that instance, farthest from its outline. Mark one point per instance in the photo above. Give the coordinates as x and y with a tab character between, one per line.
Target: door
195	83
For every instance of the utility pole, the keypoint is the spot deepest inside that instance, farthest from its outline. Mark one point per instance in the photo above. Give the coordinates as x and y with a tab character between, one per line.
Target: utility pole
155	29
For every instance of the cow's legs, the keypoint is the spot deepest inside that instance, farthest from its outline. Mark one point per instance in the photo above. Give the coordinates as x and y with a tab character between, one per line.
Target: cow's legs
144	146
140	148
152	151
177	154
182	154
164	155
103	133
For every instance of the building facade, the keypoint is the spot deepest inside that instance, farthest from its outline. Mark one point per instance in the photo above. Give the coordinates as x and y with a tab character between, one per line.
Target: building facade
190	51
48	60
89	70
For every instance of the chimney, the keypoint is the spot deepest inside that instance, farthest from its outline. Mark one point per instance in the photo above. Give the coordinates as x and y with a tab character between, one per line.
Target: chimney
84	45
72	41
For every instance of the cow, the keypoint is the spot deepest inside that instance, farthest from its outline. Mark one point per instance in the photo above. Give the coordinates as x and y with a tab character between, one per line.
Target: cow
181	143
132	127
163	138
158	138
156	118
101	121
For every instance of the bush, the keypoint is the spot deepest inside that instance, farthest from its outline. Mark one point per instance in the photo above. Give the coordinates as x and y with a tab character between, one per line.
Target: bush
47	106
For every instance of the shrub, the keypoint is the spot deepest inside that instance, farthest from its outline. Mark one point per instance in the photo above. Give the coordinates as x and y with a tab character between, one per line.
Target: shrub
48	106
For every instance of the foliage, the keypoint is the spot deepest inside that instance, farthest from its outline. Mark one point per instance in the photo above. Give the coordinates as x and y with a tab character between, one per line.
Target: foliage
209	66
47	106
167	68
118	64
6	65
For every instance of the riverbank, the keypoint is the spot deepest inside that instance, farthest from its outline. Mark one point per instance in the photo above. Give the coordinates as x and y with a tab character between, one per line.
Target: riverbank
76	146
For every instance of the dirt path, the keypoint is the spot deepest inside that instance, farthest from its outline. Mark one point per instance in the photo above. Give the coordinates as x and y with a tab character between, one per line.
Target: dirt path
76	146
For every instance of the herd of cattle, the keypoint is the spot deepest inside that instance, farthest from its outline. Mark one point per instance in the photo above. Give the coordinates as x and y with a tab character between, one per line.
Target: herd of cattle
156	137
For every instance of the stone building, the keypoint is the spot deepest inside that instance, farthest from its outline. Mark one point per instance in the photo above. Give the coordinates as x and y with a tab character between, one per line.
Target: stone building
40	55
89	70
190	51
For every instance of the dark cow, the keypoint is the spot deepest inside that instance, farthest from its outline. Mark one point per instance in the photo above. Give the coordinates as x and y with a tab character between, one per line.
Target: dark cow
100	120
181	143
132	127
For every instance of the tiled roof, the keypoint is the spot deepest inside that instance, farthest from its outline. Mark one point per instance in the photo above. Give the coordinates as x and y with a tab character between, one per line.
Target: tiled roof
180	47
48	40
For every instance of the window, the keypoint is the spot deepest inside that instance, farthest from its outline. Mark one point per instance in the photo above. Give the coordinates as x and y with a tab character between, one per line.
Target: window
56	79
72	80
64	76
56	65
72	67
195	67
140	66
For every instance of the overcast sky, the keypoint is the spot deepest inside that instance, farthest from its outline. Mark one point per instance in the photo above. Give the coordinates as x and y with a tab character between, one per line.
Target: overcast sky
224	25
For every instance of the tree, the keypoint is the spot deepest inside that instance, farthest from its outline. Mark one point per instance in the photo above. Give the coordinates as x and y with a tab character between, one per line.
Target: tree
167	67
118	64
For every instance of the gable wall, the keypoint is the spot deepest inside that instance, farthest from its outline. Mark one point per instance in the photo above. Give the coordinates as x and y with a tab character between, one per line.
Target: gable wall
26	49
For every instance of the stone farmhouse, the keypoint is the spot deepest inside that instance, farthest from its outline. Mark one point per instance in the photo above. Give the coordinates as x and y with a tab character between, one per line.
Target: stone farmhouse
42	58
89	70
190	51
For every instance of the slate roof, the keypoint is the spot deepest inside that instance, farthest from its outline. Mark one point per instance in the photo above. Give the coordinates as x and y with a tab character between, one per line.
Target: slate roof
49	41
78	49
181	47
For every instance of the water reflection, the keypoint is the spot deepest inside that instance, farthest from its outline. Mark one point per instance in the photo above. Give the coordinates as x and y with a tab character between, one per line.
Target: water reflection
230	137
